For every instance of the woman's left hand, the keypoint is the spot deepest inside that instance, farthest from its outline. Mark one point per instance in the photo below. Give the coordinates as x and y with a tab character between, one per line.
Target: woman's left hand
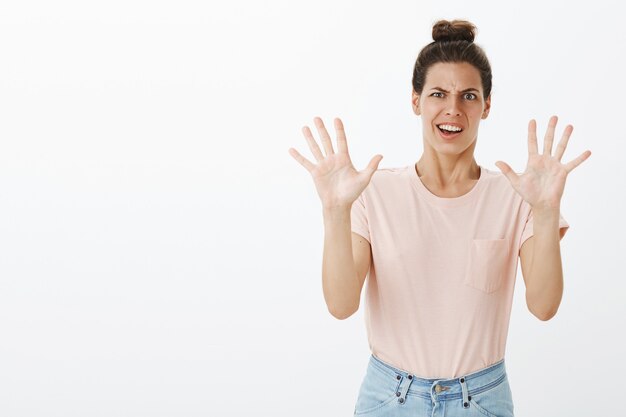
543	182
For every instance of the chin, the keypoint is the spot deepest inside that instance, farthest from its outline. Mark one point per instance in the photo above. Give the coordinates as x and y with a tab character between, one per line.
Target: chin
452	148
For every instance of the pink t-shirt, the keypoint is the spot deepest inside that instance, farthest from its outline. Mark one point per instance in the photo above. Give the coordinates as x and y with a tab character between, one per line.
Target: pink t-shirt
440	287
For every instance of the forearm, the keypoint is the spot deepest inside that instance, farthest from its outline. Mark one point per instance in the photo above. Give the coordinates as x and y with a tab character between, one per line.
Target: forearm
339	275
545	283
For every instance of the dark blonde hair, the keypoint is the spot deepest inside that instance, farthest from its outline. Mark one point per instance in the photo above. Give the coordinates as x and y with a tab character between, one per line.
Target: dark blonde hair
453	41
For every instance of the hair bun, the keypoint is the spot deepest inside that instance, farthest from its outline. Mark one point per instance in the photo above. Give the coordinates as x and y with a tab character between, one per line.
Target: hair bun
455	30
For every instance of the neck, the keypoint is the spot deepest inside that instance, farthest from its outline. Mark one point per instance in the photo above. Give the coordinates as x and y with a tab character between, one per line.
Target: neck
446	173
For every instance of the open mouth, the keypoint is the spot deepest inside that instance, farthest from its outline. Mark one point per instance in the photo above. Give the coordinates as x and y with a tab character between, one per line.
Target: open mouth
449	131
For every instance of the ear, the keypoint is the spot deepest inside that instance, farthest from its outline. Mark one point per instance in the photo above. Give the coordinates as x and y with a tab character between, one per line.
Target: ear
487	107
415	102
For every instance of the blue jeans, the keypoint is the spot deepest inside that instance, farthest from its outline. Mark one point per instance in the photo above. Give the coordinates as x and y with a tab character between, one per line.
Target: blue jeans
389	391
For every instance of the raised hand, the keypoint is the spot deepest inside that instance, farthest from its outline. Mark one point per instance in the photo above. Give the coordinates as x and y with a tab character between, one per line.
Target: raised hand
543	182
337	182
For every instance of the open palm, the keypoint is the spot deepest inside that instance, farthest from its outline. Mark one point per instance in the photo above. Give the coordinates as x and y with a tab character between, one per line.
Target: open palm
337	182
542	183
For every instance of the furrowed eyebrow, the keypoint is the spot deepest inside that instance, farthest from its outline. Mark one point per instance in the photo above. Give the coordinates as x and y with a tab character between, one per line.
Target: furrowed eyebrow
467	90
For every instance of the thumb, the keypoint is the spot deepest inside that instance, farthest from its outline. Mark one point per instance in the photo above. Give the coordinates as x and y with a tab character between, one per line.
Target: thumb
503	166
507	171
373	165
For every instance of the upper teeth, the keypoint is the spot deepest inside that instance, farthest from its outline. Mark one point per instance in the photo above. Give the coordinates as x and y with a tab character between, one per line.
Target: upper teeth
450	127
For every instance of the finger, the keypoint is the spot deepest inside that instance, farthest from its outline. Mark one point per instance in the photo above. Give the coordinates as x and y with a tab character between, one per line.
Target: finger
342	143
301	159
532	137
573	164
315	150
508	172
326	142
373	165
549	137
560	149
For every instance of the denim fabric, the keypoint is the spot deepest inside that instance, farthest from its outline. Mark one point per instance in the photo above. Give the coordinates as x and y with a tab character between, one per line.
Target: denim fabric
389	391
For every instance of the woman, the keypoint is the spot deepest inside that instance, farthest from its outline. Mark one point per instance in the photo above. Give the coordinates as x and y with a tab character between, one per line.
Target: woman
440	240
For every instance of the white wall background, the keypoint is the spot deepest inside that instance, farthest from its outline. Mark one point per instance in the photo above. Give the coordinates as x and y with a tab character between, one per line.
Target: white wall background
160	251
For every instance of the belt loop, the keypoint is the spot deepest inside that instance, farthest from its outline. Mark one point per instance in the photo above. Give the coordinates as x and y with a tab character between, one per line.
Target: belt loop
403	391
466	396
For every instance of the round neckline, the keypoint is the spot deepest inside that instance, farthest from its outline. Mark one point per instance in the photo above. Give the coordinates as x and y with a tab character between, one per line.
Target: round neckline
445	201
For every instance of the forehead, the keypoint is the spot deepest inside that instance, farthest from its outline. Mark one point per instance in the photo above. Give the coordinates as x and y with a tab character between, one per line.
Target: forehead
453	76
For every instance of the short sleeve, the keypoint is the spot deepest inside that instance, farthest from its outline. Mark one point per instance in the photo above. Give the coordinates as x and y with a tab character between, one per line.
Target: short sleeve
358	218
528	228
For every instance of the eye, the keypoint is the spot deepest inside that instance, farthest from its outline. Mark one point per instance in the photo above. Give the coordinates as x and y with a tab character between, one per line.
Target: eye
433	94
470	96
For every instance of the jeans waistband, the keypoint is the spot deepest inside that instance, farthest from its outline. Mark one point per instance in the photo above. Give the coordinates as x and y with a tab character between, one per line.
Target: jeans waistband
453	388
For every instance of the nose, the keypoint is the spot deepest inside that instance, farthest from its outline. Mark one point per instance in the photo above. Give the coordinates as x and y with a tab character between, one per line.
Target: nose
453	107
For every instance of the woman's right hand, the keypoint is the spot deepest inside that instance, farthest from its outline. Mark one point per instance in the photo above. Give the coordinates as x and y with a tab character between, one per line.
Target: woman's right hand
337	182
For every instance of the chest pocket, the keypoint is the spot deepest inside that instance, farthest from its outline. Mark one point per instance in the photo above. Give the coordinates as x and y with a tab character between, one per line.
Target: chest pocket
486	264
